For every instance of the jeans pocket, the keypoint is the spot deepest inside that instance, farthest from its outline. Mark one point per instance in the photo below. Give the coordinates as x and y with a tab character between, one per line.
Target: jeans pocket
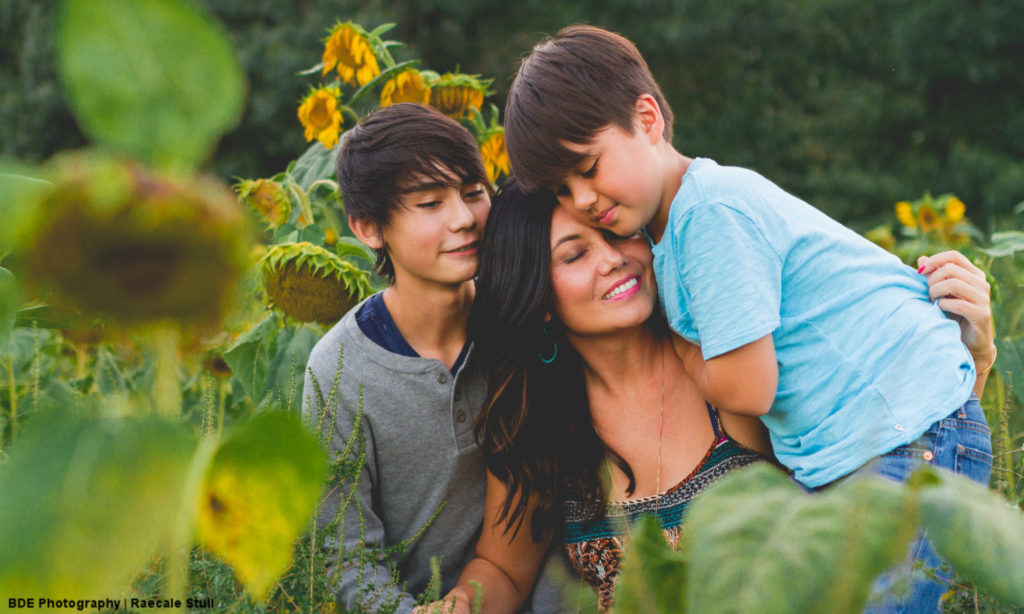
973	463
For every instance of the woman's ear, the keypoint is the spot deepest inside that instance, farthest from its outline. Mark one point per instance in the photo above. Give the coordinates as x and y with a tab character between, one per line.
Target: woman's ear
366	231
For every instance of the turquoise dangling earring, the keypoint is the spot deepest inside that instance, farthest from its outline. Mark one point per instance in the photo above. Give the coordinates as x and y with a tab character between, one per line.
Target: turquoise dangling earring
554	352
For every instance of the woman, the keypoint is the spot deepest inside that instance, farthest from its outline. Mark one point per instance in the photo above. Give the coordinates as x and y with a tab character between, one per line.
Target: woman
581	369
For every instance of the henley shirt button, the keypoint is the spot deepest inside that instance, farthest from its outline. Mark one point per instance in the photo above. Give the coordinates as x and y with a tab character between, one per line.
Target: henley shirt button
441	378
899	427
458	395
928	456
460	416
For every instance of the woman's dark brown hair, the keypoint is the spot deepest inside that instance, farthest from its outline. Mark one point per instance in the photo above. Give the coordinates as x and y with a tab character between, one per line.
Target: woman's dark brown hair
535	427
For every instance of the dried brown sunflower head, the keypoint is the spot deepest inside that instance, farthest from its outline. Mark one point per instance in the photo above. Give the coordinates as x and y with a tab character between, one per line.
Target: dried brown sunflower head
312	284
119	240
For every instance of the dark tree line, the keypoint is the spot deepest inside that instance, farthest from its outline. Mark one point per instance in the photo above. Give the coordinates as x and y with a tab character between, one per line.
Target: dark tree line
851	104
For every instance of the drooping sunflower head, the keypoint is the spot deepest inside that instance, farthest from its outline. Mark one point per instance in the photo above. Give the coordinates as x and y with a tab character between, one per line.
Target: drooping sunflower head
312	284
321	116
266	197
348	49
454	93
136	246
407	86
495	155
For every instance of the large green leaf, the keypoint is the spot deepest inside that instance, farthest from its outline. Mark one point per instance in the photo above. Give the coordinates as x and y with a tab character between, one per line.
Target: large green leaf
249	358
979	533
288	366
653	576
86	502
757	543
152	78
8	305
19	204
1011	363
316	163
259	494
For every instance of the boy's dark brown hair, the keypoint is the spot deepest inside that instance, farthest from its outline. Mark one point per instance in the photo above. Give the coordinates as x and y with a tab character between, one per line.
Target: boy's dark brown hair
568	88
392	150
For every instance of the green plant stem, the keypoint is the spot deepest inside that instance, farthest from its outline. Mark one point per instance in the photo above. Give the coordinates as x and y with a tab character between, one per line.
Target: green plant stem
225	385
180	535
166	391
303	198
13	392
323	182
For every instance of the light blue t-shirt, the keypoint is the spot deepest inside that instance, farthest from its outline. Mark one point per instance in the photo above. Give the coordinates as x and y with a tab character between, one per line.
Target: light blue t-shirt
866	361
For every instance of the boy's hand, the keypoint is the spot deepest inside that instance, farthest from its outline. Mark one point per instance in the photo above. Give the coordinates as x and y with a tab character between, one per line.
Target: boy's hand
961	290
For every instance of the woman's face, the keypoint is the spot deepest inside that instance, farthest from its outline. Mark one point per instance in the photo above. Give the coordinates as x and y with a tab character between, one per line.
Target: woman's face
602	283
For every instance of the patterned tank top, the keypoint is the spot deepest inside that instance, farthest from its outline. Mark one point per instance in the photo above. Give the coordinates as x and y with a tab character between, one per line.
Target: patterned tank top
595	549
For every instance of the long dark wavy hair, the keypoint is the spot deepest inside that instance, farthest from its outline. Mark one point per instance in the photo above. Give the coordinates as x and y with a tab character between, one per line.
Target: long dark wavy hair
535	427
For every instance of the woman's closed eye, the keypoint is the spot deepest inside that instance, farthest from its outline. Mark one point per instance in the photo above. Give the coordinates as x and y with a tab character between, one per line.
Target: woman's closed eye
574	255
590	172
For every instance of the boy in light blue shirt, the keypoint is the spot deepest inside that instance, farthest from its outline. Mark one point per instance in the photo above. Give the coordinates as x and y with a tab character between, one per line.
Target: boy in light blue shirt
789	314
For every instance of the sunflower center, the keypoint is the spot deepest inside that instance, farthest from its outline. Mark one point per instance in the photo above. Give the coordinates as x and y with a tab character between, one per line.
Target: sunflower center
320	115
140	269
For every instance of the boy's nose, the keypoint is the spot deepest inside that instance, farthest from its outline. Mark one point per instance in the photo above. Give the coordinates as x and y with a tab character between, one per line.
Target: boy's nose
461	215
582	196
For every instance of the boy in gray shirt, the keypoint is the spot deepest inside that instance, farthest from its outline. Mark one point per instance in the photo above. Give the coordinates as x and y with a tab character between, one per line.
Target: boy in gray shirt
416	192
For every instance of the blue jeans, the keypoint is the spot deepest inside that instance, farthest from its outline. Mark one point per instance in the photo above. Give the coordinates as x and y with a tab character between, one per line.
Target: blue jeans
960	442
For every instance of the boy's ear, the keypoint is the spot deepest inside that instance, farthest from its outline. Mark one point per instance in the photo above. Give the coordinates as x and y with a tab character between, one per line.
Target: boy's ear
649	117
366	231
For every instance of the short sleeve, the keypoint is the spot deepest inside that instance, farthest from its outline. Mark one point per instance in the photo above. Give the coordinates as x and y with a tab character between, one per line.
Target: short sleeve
732	275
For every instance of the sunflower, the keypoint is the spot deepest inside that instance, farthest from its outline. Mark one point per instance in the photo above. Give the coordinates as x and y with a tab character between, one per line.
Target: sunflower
348	48
928	218
955	209
320	114
406	86
454	93
905	214
311	284
495	155
139	247
268	198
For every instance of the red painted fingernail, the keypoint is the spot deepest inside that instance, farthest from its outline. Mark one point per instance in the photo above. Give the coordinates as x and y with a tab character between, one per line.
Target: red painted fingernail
921	269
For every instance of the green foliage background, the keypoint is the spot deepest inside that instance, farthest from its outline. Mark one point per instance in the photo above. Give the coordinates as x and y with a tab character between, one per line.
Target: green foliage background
850	104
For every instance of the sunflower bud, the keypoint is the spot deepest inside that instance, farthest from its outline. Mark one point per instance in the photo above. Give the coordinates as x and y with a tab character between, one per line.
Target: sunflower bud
454	93
266	197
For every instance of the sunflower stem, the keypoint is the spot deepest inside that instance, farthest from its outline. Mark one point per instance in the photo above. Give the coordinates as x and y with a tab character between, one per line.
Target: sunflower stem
166	391
321	182
303	198
13	392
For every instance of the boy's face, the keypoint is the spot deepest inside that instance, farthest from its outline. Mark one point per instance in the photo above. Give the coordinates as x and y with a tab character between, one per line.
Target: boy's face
617	185
434	233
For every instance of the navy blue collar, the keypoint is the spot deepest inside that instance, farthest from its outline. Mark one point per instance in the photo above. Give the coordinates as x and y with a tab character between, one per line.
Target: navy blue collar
376	322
